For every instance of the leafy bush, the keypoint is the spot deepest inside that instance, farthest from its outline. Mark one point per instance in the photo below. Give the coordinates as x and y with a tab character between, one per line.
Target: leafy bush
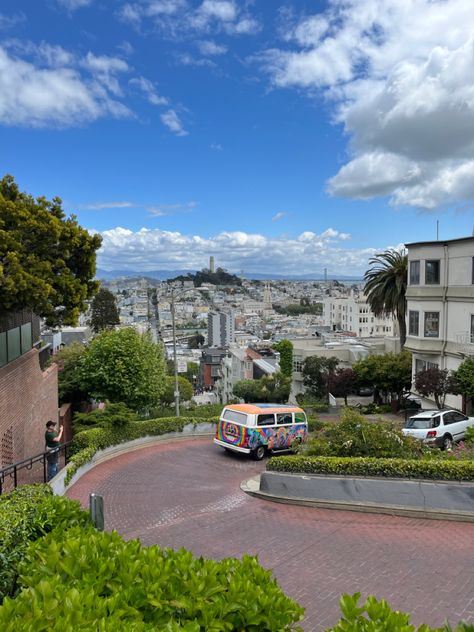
114	415
28	513
355	436
315	424
469	436
447	470
190	410
374	409
377	616
88	442
311	403
86	580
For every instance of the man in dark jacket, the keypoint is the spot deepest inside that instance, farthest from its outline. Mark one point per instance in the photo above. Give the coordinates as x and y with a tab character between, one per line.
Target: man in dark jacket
52	440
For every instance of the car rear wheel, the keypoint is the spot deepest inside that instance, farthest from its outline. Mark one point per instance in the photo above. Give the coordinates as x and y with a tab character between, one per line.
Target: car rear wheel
259	453
448	442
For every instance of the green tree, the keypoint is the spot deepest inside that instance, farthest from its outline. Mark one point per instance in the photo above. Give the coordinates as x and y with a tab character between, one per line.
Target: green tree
344	383
385	287
71	388
195	341
104	312
462	381
389	373
185	389
433	382
47	261
273	388
124	366
285	349
192	372
317	375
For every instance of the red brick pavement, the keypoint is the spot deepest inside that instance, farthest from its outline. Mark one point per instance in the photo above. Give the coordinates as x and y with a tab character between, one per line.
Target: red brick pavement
186	494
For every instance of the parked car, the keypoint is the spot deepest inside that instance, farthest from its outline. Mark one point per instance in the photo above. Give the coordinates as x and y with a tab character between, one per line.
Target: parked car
438	427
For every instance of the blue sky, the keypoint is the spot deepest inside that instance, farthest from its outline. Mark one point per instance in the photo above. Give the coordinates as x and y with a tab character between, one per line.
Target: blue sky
277	136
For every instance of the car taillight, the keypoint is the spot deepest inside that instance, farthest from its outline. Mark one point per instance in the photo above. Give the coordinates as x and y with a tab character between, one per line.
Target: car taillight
430	434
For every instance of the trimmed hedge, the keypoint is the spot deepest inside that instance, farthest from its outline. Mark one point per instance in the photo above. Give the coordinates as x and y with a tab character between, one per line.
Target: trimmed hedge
371	466
88	442
29	513
85	580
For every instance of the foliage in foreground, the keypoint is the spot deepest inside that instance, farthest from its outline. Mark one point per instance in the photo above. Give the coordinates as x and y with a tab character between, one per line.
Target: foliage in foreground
376	616
446	470
355	436
27	514
85	580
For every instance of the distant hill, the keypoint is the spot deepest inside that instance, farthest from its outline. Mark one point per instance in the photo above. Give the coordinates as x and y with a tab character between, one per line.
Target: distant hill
164	275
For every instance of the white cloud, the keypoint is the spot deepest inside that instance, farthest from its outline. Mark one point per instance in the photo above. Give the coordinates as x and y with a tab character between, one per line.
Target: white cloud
36	97
99	206
216	147
163	210
148	88
72	5
308	253
173	123
175	17
399	74
9	21
279	216
207	47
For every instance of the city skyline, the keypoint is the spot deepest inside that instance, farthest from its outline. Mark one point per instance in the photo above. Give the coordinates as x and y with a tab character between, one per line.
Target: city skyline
282	138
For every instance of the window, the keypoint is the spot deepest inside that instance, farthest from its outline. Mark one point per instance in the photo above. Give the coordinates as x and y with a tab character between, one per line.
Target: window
300	418
458	417
414	323
233	415
431	324
284	418
448	419
298	363
414	272
432	272
266	420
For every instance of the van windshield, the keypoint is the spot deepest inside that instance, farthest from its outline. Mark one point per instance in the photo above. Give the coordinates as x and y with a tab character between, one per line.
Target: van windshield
236	417
420	423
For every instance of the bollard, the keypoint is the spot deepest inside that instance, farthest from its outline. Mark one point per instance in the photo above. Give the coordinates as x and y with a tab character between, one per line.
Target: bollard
96	507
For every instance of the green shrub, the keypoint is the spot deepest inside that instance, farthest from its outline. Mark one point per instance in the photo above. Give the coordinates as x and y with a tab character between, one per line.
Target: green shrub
86	580
88	442
469	436
377	616
114	415
449	470
189	410
374	409
355	436
315	424
28	513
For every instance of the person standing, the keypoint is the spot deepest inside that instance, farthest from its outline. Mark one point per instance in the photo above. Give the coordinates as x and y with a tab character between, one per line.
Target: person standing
52	440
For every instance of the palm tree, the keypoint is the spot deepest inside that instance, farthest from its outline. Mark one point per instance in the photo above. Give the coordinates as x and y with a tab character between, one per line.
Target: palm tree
386	285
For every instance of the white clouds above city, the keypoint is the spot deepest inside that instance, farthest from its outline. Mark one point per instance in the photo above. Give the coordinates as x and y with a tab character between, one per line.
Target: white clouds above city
399	76
309	252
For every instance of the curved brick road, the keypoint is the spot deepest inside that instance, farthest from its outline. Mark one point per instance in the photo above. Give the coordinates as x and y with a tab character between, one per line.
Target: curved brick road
186	493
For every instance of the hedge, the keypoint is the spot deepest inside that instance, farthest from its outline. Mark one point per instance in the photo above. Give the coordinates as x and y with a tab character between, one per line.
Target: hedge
372	466
26	514
88	442
86	580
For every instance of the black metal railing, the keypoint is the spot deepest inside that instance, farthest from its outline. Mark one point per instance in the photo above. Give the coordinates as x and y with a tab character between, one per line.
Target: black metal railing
31	470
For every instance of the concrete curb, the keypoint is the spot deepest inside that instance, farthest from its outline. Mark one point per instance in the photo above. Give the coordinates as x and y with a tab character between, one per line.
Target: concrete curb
251	486
189	432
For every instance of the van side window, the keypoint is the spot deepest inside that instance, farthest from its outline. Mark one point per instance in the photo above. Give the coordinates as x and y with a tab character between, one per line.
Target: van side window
435	421
266	420
284	418
300	418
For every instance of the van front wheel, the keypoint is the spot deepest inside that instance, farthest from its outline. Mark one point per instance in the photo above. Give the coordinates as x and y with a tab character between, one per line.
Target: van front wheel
259	453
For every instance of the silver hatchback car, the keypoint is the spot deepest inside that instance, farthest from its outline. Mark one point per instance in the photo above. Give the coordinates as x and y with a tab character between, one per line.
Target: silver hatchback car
438	427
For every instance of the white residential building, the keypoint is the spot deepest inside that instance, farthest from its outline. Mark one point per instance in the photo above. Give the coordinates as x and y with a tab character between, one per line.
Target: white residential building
353	313
220	328
440	305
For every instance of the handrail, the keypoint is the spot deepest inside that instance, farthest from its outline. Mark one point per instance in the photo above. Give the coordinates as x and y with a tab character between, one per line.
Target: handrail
11	471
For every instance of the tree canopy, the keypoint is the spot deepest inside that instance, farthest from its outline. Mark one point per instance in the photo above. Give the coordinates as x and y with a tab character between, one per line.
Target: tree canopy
124	366
47	261
185	389
317	375
386	285
433	381
273	388
104	312
463	379
285	349
388	373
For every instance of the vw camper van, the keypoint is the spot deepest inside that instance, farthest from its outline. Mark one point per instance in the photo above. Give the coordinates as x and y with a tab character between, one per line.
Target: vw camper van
256	429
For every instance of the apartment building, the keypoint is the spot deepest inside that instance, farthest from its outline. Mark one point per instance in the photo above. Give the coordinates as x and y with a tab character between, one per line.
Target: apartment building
220	328
353	313
440	305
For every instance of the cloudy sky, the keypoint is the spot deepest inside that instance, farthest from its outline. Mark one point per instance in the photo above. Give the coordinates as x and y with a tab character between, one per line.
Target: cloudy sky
277	136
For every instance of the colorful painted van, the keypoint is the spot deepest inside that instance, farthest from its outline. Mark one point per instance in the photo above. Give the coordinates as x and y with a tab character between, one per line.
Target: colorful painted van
257	428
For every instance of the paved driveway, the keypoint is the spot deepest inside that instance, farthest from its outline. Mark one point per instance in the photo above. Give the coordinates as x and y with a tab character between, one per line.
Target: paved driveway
186	494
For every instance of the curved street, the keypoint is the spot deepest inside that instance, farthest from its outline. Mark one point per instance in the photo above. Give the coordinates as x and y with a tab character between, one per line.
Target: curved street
186	494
